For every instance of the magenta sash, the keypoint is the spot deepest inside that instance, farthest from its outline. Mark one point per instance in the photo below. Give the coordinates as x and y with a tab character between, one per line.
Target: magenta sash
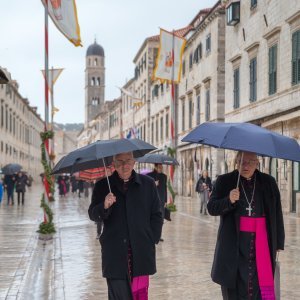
139	287
263	260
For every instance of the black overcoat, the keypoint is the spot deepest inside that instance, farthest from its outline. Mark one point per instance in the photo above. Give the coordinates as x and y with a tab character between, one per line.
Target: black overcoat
162	185
225	264
136	218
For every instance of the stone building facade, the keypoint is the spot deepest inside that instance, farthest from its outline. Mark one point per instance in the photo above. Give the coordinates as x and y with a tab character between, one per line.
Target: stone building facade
262	80
241	68
201	95
20	127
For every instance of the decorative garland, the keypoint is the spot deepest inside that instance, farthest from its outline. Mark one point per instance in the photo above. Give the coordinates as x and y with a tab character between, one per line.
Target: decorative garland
171	206
46	228
47	169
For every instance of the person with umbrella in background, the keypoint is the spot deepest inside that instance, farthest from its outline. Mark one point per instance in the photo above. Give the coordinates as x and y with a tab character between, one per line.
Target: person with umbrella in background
251	230
161	184
21	182
129	206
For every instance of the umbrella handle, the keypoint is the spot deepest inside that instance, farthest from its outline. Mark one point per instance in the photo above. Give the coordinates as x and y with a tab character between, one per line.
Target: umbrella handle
106	174
239	176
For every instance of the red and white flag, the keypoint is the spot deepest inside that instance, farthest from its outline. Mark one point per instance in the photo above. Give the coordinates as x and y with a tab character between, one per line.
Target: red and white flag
169	59
64	15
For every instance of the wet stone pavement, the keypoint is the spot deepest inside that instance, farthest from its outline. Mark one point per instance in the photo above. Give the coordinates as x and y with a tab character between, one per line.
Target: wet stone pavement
69	266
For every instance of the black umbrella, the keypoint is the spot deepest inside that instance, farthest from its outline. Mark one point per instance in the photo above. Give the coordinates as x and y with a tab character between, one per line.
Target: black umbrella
11	169
100	154
154	158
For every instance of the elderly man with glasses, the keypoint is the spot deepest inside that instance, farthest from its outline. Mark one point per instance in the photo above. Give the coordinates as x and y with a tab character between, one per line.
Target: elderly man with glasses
251	231
132	220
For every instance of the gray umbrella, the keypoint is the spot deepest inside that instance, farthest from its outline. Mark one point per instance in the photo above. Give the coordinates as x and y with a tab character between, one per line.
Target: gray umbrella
154	158
100	154
11	169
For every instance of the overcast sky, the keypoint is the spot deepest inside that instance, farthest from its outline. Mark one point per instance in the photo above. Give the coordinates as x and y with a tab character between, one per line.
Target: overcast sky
120	26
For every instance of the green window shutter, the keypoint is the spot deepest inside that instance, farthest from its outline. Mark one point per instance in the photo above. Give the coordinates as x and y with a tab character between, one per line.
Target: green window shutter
254	79
298	57
270	71
274	68
294	57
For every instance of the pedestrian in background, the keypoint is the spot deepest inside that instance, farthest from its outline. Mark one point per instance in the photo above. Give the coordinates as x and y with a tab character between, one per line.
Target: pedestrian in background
1	190
132	223
161	184
9	184
251	231
203	188
21	182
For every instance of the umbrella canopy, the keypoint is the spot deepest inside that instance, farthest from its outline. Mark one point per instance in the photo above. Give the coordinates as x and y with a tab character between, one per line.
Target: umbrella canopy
11	169
99	154
153	158
245	137
94	174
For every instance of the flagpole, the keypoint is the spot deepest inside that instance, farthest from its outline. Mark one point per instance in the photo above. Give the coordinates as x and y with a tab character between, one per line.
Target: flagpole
172	111
46	184
52	113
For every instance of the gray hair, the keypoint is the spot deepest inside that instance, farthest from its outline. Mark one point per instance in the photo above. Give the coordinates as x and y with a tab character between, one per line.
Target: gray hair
115	156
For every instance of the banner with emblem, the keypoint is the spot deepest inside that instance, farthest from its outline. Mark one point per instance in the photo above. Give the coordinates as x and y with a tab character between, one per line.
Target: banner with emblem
169	58
64	15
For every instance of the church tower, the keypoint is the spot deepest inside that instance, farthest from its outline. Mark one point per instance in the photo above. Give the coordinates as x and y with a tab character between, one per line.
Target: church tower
94	81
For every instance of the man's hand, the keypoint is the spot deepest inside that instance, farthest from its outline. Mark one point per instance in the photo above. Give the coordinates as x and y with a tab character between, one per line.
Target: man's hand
110	199
234	195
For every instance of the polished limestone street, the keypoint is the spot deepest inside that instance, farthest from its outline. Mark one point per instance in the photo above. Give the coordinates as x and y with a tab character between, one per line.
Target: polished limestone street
69	266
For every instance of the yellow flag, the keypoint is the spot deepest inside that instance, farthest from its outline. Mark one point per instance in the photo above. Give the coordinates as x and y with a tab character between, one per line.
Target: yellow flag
169	59
64	15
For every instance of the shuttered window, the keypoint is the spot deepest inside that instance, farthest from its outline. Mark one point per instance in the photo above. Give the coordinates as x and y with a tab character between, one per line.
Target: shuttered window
253	79
296	57
273	70
207	106
236	88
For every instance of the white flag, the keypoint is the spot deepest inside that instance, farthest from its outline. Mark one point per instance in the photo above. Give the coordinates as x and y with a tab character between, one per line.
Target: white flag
52	77
64	15
169	59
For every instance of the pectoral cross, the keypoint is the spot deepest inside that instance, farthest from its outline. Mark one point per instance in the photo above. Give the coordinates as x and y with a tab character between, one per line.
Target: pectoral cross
249	208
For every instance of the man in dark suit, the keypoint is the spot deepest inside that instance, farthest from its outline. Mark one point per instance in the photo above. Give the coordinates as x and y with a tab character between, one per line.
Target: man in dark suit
132	220
161	184
251	231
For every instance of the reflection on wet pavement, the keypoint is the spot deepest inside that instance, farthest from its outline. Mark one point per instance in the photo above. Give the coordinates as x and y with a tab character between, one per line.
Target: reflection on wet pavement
74	264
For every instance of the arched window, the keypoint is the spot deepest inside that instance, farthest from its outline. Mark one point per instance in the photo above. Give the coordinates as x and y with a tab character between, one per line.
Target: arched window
95	62
93	81
98	81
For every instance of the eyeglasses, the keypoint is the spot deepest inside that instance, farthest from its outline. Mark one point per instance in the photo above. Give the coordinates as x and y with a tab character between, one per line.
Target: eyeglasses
251	162
127	162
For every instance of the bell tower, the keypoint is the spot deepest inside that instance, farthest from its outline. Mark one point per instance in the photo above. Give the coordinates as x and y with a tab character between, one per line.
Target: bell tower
94	81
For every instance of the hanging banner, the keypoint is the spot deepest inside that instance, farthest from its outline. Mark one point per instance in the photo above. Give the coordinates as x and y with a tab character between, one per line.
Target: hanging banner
52	77
169	58
64	15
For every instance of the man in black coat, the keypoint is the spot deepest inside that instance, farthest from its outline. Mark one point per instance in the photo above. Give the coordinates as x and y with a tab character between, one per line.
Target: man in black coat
236	265
132	220
161	183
